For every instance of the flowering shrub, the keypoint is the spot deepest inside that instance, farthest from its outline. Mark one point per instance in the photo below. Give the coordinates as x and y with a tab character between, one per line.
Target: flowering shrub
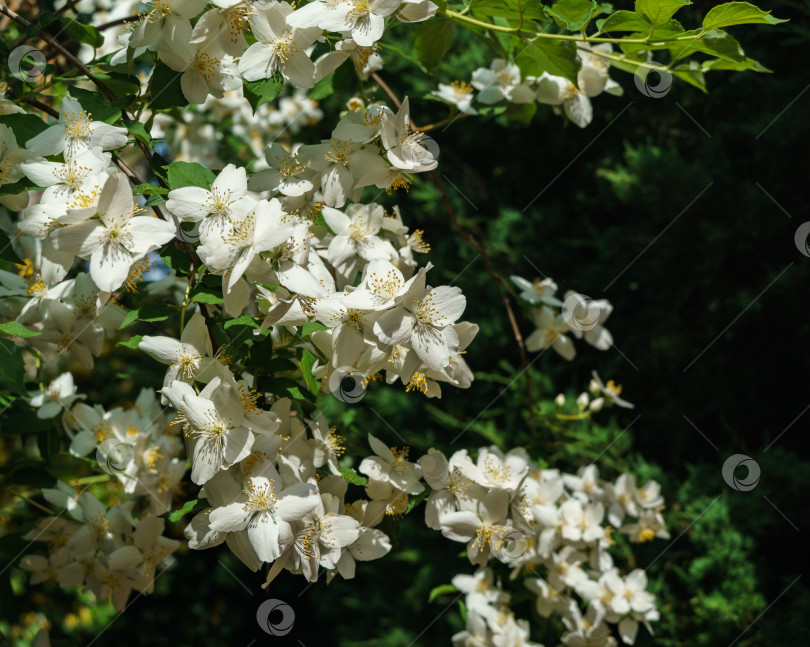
285	277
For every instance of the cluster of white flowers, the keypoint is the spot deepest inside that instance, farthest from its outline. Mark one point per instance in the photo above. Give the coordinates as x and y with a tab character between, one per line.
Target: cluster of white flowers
547	526
108	551
501	82
296	243
554	320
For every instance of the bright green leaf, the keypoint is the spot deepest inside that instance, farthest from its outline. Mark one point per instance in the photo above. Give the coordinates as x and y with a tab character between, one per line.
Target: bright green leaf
574	13
17	330
658	11
353	477
737	13
182	174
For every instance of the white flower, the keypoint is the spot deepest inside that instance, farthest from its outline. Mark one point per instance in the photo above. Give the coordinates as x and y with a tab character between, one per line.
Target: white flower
559	91
609	391
119	239
266	511
166	27
550	332
190	358
460	94
264	228
391	465
403	146
423	321
356	235
216	207
219	433
279	47
60	394
364	19
537	291
499	82
76	132
80	174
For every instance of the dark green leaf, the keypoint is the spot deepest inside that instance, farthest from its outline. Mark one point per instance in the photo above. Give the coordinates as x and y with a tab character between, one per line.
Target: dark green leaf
243	320
658	11
555	57
12	367
307	360
259	92
24	127
138	130
165	88
443	589
82	33
323	88
432	40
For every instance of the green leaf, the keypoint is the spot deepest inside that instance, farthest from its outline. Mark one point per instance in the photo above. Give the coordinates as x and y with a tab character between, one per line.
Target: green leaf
353	477
82	33
692	73
138	130
623	21
188	507
204	294
307	360
555	57
443	589
132	342
263	91
576	14
243	320
433	39
18	330
165	88
24	127
286	387
182	174
7	252
12	367
149	189
658	11
130	318
323	88
154	201
98	105
738	13
310	327
176	259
